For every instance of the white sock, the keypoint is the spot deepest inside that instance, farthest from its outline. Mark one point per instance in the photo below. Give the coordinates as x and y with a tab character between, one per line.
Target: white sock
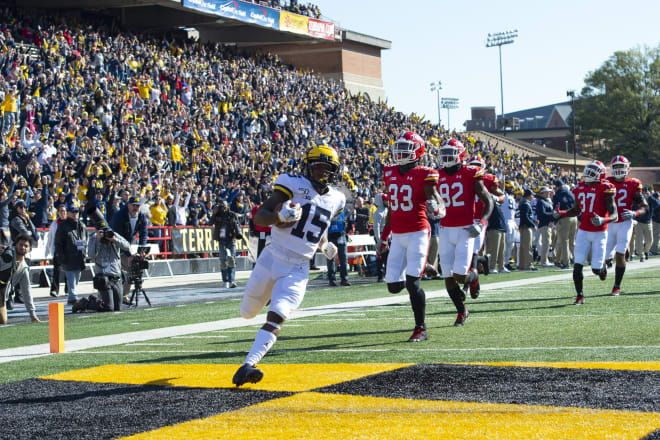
262	343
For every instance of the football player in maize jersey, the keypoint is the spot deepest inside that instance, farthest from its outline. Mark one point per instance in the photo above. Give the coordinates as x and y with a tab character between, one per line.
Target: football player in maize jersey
628	190
458	185
411	191
300	209
492	186
595	204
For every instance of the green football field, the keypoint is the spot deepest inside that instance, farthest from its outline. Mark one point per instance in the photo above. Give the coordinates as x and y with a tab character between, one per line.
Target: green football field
527	364
518	317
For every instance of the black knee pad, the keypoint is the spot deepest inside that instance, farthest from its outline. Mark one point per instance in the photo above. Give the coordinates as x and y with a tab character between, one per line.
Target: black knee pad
395	287
577	272
413	284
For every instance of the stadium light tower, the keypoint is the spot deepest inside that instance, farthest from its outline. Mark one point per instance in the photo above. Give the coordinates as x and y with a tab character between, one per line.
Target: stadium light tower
449	103
499	39
436	86
571	94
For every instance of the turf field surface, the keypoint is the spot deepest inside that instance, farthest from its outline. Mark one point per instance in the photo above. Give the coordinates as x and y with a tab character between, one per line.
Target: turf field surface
527	364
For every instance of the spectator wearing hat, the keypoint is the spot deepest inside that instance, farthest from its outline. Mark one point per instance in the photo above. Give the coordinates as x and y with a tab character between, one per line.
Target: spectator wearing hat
566	227
527	228
21	224
545	219
70	249
128	223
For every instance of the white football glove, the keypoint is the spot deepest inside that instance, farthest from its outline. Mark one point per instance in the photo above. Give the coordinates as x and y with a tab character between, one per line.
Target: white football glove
597	220
436	209
475	229
290	212
627	214
329	250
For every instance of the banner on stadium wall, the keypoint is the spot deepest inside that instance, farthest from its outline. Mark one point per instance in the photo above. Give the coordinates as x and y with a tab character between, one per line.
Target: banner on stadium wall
237	10
200	240
321	29
295	23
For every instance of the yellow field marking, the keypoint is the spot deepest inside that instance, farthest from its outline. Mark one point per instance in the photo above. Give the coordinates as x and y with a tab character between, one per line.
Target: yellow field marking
642	366
329	416
277	377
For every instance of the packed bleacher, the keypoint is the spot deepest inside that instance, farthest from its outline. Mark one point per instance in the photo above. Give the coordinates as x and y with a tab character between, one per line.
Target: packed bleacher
93	114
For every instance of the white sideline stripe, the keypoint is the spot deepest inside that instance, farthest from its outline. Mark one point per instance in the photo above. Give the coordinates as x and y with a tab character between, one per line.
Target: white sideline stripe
379	350
155	344
385	318
33	351
198	337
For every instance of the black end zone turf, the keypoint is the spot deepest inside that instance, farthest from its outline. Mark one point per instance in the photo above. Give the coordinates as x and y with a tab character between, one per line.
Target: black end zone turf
605	389
38	408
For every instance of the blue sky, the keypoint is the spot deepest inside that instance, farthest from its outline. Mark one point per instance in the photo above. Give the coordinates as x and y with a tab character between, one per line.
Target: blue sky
559	43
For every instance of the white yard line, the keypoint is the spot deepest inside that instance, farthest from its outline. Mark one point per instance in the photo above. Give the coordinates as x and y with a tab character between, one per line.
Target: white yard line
378	350
33	351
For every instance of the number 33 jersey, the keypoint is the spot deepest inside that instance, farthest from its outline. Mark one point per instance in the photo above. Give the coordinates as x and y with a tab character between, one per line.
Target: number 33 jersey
407	197
317	211
592	201
457	191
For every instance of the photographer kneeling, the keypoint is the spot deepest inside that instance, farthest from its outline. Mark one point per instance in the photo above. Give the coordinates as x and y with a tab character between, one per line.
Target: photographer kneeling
104	248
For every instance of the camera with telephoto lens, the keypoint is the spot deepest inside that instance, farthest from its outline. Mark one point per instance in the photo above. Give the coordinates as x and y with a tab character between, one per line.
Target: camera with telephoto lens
139	264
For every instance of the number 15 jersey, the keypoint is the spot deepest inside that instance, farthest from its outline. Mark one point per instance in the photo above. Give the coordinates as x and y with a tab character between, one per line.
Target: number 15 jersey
457	191
407	197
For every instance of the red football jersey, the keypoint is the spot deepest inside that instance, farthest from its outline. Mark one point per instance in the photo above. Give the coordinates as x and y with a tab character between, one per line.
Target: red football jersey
592	201
625	191
490	182
407	197
457	191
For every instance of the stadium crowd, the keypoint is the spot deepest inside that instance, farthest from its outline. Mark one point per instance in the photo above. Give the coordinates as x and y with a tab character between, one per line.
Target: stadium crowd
93	115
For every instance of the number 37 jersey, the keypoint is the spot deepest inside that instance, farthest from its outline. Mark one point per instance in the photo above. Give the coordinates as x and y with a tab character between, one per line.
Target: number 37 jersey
457	191
407	197
592	202
317	211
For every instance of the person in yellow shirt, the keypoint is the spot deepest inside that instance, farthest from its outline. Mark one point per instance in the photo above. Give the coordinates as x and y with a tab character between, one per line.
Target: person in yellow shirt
10	109
158	211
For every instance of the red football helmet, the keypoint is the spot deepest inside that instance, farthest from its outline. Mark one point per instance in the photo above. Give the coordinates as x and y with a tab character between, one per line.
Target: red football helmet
594	172
452	152
620	166
477	161
408	148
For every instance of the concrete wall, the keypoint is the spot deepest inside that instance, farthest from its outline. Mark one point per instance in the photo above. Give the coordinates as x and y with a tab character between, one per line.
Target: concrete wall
357	66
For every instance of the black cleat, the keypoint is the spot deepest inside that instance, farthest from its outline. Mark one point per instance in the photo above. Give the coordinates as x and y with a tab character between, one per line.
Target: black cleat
345	283
247	373
419	334
603	273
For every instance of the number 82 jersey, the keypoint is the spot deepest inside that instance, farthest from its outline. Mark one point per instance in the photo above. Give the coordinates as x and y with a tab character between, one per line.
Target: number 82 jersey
407	197
457	191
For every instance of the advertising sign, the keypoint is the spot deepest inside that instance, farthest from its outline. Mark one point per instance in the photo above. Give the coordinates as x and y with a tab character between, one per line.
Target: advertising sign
321	29
237	10
200	241
295	23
